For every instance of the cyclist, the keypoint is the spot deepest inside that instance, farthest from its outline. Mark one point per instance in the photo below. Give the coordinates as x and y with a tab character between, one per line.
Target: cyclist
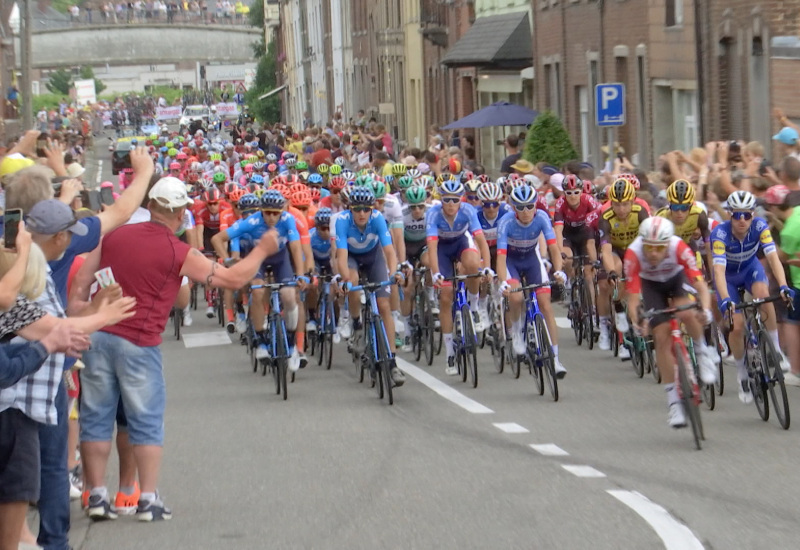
491	210
734	245
415	250
518	256
320	236
363	244
332	201
687	216
658	266
452	232
572	232
388	205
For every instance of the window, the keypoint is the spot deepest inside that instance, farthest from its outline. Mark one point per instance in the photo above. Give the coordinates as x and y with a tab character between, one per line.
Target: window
674	13
685	109
641	110
583	110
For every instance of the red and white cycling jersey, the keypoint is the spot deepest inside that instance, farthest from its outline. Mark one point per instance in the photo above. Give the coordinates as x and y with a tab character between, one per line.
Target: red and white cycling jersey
569	218
679	258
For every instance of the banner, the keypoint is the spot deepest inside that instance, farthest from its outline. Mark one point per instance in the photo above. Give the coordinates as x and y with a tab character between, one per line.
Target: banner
227	109
166	113
84	92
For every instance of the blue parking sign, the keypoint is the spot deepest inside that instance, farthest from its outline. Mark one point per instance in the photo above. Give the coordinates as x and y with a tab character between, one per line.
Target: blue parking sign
610	104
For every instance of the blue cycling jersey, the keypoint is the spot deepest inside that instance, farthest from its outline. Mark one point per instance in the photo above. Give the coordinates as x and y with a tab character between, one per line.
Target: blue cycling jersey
515	239
321	248
357	241
244	242
490	227
437	227
255	226
735	253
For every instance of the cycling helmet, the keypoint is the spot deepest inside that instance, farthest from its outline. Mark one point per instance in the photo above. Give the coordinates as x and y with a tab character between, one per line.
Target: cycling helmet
631	178
741	200
362	196
339	162
248	168
571	182
235	195
323	216
212	195
301	165
602	194
181	156
501	181
378	189
272	199
315	179
473	185
680	192
483	178
281	188
336	169
348	175
322	169
258	179
300	197
197	167
259	166
337	183
388	180
303	176
172	152
344	195
230	188
363	180
399	169
259	192
272	168
290	162
405	182
465	176
416	195
272	157
490	192
249	201
219	177
522	195
315	194
621	191
656	230
452	187
413	173
589	187
174	165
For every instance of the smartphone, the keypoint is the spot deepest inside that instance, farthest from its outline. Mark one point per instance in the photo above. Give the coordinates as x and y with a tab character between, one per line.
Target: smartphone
107	196
41	145
94	201
11	220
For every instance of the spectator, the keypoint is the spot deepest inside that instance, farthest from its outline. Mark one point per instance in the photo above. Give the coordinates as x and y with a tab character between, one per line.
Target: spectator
789	175
522	167
512	154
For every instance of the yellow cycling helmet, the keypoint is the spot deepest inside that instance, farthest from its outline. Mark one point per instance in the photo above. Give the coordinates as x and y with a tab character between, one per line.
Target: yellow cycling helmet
680	192
622	191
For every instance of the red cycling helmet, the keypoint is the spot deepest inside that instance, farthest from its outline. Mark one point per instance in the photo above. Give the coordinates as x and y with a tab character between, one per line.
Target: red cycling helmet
337	183
174	165
631	178
212	195
235	195
571	183
315	194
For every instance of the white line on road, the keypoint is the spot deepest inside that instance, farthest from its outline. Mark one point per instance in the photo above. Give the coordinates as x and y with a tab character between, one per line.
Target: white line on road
99	171
549	449
582	471
203	339
510	427
452	395
563	322
674	534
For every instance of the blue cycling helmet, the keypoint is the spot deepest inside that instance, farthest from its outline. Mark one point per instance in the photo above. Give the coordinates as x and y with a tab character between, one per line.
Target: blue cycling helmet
257	178
272	199
362	196
451	187
248	202
315	179
523	195
323	216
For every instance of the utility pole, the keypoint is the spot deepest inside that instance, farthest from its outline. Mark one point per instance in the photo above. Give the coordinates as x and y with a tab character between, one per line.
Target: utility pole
26	19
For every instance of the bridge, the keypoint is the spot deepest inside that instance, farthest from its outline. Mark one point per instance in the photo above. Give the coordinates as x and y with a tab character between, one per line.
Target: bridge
134	44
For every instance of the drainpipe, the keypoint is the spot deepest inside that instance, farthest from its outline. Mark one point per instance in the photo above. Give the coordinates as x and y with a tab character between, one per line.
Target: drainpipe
698	39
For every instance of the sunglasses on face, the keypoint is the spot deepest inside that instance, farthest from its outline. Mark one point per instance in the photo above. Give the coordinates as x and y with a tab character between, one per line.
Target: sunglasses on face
742	216
272	212
323	228
361	209
523	207
451	200
654	247
334	191
491	205
473	198
418	206
246	213
680	207
214	203
573	192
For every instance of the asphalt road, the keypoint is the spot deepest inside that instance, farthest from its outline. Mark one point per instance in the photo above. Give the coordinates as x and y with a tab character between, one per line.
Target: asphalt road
334	467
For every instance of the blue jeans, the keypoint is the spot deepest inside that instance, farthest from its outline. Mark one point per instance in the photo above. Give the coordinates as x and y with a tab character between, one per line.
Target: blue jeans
54	495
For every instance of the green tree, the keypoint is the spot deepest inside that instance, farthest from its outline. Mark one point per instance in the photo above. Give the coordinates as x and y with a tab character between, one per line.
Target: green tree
60	82
268	109
548	141
88	73
256	15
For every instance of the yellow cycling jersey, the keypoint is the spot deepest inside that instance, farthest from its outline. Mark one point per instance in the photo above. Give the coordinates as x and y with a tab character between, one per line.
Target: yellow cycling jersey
620	233
696	219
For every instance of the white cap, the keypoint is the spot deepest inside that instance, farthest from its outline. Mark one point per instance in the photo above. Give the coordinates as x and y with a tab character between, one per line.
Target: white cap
557	181
170	193
533	181
75	170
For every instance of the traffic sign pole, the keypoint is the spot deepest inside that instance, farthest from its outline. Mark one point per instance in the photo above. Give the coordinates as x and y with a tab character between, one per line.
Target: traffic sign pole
610	113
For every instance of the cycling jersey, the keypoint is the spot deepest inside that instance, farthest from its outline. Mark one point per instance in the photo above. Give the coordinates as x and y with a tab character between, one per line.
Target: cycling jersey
738	254
575	218
301	223
204	217
518	240
393	212
187	223
490	226
360	241
620	233
321	248
697	219
413	230
438	228
227	218
637	200
328	203
255	226
679	258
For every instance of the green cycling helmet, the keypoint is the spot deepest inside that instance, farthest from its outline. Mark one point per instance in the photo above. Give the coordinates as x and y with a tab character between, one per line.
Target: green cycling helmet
335	170
180	139
378	188
153	137
405	182
416	194
363	180
301	166
172	152
170	144
244	163
156	142
219	177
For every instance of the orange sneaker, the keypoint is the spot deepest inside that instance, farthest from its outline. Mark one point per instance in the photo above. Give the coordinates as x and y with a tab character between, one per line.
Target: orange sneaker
126	504
84	500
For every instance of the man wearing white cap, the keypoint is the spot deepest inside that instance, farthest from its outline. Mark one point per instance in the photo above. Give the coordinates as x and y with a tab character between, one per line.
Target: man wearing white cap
148	261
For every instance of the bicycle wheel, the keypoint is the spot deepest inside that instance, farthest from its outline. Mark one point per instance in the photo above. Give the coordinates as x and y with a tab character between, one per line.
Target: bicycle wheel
651	359
282	359
773	375
535	370
193	298
417	314
384	363
576	312
459	341
713	337
637	359
588	318
428	332
220	309
497	339
440	340
361	361
470	352
756	381
612	331
177	320
546	357
687	395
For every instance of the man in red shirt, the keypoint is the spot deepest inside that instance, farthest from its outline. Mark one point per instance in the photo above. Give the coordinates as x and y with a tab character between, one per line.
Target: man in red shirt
148	261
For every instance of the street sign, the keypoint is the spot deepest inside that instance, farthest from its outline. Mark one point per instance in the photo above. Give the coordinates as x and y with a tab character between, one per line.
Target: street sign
610	105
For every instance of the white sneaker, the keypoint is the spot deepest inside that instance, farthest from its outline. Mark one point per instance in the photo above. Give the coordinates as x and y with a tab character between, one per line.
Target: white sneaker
303	360
708	369
407	347
676	416
477	322
210	312
187	317
451	369
785	365
399	325
604	341
745	395
336	337
624	353
622	321
435	310
241	324
294	360
518	343
484	320
311	326
262	352
791	379
561	372
346	328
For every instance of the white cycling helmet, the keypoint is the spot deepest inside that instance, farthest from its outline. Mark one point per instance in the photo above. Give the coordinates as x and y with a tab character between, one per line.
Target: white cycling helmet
490	192
656	230
741	200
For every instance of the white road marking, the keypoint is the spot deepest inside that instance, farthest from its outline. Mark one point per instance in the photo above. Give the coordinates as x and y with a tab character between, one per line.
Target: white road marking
203	339
549	449
582	471
563	322
510	427
452	395
674	534
99	171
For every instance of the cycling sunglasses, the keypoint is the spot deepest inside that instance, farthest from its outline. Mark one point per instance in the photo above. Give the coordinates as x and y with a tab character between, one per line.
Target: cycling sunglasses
360	209
523	207
494	204
323	228
451	200
680	207
246	213
214	203
654	247
272	212
747	216
473	198
573	192
417	206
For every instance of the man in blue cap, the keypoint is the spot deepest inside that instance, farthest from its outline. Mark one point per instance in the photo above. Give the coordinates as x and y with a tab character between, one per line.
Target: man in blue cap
788	139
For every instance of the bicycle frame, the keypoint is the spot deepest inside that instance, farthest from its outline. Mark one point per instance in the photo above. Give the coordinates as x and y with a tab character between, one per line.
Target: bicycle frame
275	318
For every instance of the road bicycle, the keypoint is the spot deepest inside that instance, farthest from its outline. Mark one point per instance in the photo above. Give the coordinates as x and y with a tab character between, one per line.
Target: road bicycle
465	341
580	311
498	337
540	358
277	340
177	321
326	334
422	319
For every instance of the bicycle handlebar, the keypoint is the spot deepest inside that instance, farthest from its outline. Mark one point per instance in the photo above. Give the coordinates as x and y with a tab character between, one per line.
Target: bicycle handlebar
671	310
463	277
370	286
757	302
534	287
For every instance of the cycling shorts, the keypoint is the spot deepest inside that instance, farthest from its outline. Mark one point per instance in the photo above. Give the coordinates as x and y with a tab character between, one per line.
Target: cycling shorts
207	235
531	269
372	265
576	241
449	252
414	251
656	295
281	265
752	272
